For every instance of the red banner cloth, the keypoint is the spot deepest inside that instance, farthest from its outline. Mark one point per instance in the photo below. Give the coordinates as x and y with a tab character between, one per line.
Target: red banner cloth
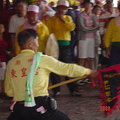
109	83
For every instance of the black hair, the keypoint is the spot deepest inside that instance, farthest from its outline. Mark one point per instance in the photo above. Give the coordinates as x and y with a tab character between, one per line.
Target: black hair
109	2
20	1
25	35
87	2
96	6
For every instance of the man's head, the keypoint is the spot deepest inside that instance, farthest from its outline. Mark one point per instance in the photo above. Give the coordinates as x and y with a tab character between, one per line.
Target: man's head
88	6
62	7
21	8
28	39
96	10
32	14
109	6
52	4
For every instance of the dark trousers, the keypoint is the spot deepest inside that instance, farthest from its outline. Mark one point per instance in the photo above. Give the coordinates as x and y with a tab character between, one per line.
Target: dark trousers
114	56
74	42
64	56
29	113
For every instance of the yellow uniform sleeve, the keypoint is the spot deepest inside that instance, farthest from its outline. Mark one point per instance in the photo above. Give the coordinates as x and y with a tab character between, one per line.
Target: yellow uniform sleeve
49	24
71	2
61	29
8	84
17	47
108	34
60	68
69	24
43	34
74	2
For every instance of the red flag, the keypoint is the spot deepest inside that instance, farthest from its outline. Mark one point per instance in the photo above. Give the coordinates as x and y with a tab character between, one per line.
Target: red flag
109	83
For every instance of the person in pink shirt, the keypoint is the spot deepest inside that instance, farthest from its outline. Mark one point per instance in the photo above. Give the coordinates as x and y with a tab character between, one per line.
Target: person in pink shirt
87	27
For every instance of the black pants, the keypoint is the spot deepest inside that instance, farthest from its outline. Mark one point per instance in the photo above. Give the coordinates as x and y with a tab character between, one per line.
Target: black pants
29	113
74	42
114	56
65	55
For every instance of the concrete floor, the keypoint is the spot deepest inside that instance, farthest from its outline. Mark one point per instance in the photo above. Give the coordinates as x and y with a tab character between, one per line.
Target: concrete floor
86	107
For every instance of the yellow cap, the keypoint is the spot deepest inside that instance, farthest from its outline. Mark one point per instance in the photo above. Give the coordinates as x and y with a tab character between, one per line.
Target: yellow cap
76	3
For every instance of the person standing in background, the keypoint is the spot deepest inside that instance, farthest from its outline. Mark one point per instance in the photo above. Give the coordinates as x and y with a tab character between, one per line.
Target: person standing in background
112	40
62	25
105	15
17	20
97	11
3	59
74	12
33	22
87	27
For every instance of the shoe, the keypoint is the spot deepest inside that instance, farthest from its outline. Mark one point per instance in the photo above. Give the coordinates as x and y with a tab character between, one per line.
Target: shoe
56	94
83	82
76	93
80	82
87	80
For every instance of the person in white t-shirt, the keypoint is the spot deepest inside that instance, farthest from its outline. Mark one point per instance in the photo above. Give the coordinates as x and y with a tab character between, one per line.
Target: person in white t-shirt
17	20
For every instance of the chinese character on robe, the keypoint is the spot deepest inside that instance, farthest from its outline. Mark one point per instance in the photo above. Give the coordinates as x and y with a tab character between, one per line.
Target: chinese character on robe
30	60
18	62
13	73
24	70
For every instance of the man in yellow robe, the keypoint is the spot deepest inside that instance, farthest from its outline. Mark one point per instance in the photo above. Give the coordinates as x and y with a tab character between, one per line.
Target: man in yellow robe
33	23
16	76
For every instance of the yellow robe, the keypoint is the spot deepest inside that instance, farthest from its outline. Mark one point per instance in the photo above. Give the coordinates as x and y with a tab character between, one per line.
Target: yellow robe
43	34
19	66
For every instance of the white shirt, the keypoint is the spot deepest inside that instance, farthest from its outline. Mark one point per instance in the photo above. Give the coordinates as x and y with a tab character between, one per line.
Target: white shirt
15	23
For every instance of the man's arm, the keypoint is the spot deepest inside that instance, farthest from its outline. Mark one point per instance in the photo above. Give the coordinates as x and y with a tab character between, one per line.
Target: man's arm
60	68
82	26
12	31
108	34
69	24
13	38
8	83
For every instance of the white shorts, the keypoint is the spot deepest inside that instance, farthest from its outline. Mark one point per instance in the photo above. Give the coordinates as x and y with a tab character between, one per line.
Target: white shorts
86	48
2	70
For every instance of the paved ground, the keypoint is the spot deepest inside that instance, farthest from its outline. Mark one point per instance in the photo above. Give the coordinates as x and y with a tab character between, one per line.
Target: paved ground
86	107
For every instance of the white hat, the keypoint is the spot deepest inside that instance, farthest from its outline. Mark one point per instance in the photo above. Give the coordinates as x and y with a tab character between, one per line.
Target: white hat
64	3
33	9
